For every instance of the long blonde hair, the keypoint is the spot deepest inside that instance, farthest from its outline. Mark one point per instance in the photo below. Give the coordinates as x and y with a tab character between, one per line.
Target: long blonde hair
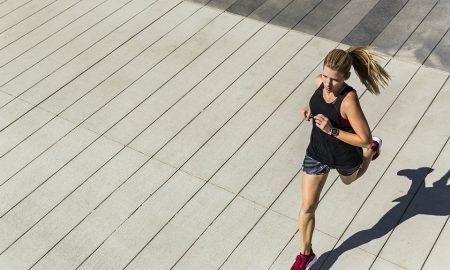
369	72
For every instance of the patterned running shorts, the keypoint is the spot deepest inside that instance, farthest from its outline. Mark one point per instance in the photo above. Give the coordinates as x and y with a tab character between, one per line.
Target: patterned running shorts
314	167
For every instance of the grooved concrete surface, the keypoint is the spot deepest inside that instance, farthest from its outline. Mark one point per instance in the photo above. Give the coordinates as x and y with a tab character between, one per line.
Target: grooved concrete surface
165	134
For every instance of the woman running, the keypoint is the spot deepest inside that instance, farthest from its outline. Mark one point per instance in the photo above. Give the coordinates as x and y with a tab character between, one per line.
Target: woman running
339	133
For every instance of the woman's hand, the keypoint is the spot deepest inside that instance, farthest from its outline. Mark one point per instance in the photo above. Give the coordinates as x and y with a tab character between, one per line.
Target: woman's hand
323	123
306	112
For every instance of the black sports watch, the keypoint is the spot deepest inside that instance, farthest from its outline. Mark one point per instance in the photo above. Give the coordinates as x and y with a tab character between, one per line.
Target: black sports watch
334	132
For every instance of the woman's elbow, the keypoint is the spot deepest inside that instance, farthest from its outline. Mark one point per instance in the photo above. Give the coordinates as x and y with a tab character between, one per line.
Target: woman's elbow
366	142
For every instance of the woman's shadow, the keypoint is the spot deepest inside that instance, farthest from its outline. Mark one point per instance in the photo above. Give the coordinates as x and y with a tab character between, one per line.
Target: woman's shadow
418	200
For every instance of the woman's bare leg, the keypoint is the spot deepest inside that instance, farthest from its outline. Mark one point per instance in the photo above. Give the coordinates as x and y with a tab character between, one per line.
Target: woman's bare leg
311	187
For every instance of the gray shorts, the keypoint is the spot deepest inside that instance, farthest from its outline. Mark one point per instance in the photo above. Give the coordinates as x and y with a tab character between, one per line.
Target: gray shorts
314	167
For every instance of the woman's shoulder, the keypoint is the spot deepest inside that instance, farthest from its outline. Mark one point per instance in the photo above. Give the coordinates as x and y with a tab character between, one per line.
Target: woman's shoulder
349	89
350	98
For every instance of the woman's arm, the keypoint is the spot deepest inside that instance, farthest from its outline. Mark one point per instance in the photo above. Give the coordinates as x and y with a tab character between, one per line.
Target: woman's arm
306	111
351	109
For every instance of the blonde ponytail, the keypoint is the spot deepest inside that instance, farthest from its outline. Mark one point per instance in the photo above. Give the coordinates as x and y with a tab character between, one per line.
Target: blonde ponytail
369	71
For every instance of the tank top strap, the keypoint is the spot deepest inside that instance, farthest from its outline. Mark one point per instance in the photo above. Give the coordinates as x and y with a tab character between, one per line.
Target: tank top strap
319	89
341	97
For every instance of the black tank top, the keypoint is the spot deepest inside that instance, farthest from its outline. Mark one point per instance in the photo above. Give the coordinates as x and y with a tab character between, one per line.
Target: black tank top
326	148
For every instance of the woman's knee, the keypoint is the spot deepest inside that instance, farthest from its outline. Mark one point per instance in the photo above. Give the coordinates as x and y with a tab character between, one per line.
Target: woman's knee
308	208
347	179
349	176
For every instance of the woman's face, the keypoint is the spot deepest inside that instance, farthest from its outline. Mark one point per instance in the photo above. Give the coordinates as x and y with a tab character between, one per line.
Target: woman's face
333	81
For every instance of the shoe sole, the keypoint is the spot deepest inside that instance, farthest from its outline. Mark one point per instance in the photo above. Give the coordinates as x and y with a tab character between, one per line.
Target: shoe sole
311	263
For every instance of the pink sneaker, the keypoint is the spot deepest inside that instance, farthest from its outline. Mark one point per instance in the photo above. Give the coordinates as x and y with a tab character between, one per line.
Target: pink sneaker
303	262
376	147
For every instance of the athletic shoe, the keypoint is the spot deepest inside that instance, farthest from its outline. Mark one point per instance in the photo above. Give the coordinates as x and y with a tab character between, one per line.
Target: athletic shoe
376	147
303	262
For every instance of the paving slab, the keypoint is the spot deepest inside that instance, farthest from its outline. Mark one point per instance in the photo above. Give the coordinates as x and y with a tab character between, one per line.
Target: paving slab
214	112
297	9
272	233
26	152
23	13
58	102
438	258
423	41
34	57
149	48
387	25
133	235
170	243
12	44
374	22
272	175
62	66
427	209
320	16
38	240
4	98
402	26
22	128
32	22
10	111
346	19
189	83
129	100
381	264
181	86
439	57
134	42
10	6
83	240
211	250
15	224
26	181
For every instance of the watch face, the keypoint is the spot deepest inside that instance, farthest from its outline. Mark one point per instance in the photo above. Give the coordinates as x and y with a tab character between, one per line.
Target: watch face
334	131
